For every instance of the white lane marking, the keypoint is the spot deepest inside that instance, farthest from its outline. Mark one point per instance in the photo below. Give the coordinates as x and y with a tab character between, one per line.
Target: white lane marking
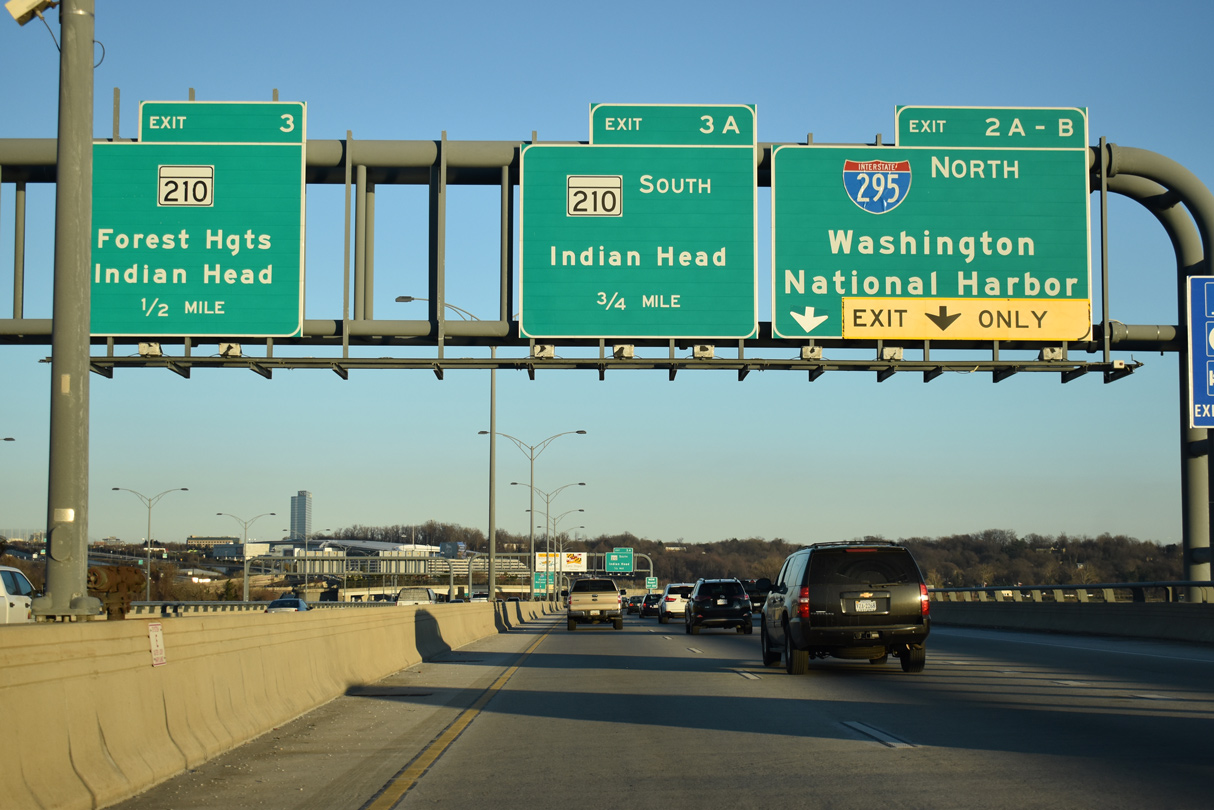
694	650
877	734
750	676
1073	683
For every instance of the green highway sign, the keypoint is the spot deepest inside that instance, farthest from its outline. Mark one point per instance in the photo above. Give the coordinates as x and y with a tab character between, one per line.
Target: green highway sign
651	583
672	124
198	228
619	561
1016	127
931	242
634	239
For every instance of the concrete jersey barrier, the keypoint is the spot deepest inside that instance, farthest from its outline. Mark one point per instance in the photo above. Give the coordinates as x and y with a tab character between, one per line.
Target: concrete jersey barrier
97	723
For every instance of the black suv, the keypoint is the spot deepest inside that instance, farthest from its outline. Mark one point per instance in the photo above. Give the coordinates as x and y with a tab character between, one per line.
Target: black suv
847	600
718	603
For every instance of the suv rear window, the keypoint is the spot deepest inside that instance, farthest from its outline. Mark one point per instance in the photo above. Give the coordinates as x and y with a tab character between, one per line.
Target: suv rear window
862	567
594	586
682	590
721	589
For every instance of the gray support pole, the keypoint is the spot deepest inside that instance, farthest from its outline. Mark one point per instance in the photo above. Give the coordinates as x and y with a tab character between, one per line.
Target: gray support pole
506	289
1194	459
492	476
1200	203
360	243
19	252
368	232
438	243
531	531
345	254
68	490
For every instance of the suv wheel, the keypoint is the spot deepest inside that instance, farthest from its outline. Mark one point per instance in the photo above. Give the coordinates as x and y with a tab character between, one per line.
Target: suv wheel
572	625
618	623
881	659
913	658
796	662
748	629
693	628
770	659
663	618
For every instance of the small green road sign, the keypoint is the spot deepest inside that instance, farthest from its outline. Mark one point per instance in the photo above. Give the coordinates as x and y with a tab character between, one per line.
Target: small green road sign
672	124
932	242
542	581
198	228
642	238
651	583
991	127
619	561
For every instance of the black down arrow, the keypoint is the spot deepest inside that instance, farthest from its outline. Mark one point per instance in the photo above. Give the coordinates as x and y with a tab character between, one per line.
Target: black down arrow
943	320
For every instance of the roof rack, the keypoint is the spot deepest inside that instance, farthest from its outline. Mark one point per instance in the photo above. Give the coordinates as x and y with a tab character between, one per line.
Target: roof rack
854	543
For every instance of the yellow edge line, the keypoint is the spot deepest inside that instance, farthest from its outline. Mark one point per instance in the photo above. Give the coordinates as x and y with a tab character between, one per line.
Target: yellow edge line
395	790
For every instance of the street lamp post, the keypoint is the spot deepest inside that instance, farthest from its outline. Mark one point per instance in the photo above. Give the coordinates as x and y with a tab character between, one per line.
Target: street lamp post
244	544
547	496
532	451
558	546
466	315
150	502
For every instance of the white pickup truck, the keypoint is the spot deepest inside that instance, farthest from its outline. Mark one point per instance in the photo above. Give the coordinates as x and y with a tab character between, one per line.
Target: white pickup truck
16	594
595	600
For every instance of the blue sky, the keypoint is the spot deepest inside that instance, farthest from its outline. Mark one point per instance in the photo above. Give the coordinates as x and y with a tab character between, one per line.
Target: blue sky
701	458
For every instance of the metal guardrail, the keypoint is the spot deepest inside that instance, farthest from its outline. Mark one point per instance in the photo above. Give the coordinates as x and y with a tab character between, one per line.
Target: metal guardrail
1165	591
174	609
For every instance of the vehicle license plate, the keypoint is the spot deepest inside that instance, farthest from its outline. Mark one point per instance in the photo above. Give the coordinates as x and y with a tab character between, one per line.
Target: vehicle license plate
866	605
722	601
595	612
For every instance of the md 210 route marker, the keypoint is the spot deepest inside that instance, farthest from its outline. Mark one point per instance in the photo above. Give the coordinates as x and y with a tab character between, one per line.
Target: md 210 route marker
974	227
648	231
198	228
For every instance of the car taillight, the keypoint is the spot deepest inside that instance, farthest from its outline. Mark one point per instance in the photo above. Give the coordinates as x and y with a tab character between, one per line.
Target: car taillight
924	603
669	598
803	604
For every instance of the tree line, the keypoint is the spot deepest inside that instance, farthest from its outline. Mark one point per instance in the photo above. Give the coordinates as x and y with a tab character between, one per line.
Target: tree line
989	557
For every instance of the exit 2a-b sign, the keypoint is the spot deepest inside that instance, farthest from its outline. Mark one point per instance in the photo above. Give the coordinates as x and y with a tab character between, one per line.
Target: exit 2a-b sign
974	227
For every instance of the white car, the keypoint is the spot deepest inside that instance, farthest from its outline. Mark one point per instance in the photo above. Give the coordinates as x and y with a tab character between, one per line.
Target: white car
16	596
674	601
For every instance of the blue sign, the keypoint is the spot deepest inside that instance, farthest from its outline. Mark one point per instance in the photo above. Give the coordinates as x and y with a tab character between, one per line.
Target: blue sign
1201	351
877	186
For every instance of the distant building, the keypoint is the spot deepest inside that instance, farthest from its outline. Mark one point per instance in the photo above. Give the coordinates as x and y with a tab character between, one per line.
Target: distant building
301	515
209	542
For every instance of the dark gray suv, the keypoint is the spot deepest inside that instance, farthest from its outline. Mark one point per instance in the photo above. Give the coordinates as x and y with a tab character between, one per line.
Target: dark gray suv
860	601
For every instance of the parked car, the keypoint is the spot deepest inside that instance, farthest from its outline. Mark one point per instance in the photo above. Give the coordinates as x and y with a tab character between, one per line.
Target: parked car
16	596
287	604
718	603
649	605
673	600
856	600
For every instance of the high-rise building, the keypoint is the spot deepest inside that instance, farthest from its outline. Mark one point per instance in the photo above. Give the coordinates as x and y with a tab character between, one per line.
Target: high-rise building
301	515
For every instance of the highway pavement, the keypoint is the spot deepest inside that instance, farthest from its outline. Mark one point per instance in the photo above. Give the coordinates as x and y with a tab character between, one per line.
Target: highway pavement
649	717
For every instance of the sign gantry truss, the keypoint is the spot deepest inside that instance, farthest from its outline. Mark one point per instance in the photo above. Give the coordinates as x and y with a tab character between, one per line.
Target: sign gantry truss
341	342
